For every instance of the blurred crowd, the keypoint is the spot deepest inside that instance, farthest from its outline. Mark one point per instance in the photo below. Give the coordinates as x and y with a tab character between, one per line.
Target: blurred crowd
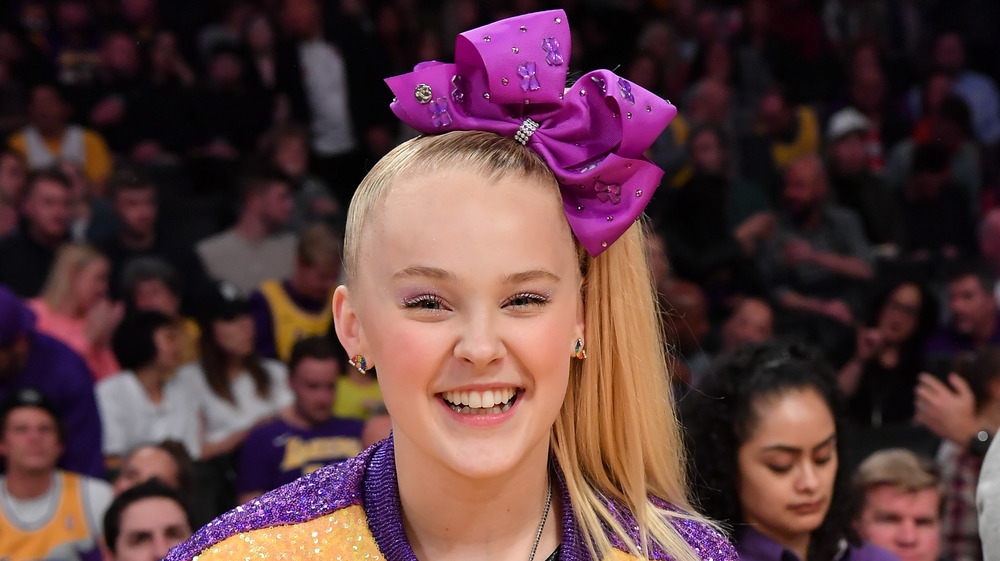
174	178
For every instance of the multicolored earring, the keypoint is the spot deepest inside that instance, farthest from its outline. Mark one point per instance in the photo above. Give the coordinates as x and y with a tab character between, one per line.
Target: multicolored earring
578	352
359	362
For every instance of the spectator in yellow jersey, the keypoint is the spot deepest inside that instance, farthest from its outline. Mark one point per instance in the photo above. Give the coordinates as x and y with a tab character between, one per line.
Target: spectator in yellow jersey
285	311
31	443
50	139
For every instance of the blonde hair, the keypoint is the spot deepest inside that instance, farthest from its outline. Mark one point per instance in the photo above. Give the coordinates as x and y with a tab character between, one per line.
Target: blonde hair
617	436
899	468
57	293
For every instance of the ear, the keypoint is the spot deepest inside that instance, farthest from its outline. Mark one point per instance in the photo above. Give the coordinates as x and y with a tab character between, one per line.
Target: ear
347	323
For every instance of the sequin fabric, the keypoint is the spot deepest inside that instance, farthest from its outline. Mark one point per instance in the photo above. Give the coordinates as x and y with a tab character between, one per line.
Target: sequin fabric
351	511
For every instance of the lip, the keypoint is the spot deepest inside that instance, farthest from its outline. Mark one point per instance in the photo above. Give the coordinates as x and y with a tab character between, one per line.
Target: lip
481	421
804	509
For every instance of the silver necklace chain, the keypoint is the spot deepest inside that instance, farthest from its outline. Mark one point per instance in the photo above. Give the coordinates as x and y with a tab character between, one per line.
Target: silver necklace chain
541	525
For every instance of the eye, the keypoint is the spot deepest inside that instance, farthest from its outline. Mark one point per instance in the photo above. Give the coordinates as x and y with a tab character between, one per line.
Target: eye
423	302
779	468
525	299
823	460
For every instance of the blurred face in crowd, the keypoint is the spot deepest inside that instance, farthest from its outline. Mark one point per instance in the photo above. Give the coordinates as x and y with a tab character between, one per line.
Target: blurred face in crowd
275	205
774	115
137	210
119	55
259	34
656	254
751	322
91	283
949	53
687	312
711	102
972	307
989	238
47	209
155	295
314	383
225	70
149	528
900	315
849	154
30	440
868	89
164	51
47	110
72	15
292	155
168	347
13	357
299	17
643	71
718	61
144	464
235	336
906	523
805	187
317	281
707	153
13	176
788	465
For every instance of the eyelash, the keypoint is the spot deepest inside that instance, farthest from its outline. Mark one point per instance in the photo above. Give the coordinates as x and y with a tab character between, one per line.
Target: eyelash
786	469
532	299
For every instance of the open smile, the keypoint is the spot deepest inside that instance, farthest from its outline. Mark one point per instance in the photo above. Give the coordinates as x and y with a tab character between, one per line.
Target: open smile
489	402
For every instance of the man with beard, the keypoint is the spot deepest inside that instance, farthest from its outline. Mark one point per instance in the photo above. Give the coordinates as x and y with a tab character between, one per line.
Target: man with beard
32	359
818	253
972	307
258	247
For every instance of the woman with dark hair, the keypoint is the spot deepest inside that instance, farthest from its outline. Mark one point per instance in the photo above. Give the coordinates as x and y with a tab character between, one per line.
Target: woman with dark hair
766	441
236	389
143	403
879	379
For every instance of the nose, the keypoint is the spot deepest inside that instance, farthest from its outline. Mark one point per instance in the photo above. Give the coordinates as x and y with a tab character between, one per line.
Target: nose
808	480
479	343
160	548
906	535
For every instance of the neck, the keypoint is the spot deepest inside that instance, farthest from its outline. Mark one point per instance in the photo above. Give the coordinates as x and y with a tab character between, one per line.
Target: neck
293	416
136	240
235	366
151	379
26	485
251	227
797	543
452	516
985	332
43	239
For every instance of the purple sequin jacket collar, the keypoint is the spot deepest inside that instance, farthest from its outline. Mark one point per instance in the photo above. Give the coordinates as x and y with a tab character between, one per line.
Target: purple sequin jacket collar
370	480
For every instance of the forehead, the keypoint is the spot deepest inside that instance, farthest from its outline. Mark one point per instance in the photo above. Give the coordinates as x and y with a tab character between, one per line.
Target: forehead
150	514
455	218
891	497
965	283
797	418
30	415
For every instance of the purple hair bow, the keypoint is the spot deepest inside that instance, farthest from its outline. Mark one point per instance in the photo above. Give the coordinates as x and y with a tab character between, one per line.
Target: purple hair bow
509	77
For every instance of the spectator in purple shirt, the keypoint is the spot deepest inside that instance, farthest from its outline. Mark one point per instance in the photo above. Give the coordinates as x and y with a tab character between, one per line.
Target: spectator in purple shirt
972	305
32	359
767	443
306	436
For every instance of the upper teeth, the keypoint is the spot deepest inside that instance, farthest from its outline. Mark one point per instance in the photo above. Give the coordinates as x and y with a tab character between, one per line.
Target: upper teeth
476	400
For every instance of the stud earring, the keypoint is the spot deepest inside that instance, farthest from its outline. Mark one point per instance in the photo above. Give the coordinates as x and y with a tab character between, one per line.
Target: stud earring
359	362
578	351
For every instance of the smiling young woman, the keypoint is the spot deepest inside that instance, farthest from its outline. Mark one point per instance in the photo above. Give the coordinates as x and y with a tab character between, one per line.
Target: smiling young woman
511	317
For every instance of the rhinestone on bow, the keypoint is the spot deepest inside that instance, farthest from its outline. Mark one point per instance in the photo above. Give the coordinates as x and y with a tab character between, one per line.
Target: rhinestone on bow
527	73
608	192
600	83
439	112
626	89
458	89
552	55
527	128
423	93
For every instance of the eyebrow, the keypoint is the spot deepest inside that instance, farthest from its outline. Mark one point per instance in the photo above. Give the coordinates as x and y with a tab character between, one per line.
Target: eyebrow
435	273
782	448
